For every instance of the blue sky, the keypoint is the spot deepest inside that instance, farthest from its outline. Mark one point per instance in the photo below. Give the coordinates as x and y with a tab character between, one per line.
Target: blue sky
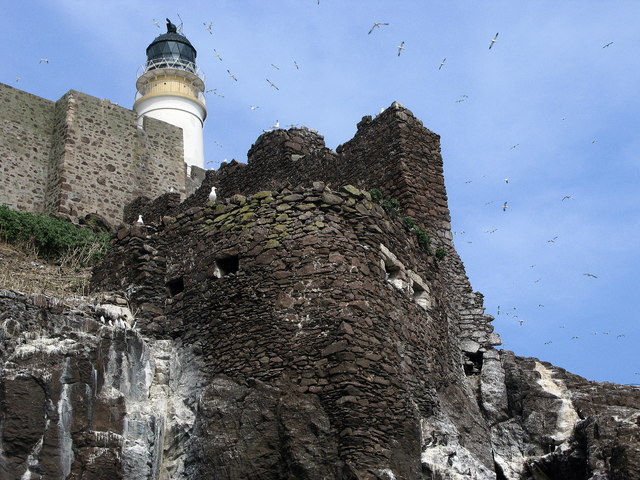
549	108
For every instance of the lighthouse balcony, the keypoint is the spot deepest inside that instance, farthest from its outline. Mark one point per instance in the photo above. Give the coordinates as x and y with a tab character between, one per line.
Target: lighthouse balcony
170	81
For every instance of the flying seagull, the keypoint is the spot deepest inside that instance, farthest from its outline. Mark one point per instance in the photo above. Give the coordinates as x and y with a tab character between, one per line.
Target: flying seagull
504	207
296	65
208	27
442	63
212	195
400	48
254	108
272	84
566	197
493	40
376	25
44	60
605	46
155	22
589	275
232	75
218	56
274	66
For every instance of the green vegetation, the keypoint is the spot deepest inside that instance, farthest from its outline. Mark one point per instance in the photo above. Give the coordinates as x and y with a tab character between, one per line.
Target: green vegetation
440	253
50	238
392	207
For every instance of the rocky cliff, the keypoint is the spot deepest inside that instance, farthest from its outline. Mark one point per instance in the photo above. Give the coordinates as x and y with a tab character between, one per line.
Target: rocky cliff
296	328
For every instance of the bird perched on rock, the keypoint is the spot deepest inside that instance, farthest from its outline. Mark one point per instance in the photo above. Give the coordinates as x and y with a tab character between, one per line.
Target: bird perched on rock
139	221
212	195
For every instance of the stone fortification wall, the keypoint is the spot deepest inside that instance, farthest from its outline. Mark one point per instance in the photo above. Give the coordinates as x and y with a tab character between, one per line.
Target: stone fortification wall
322	289
83	155
26	126
392	152
107	161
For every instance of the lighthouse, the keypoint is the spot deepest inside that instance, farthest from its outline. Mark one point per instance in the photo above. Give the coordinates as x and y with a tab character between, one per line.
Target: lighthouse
171	89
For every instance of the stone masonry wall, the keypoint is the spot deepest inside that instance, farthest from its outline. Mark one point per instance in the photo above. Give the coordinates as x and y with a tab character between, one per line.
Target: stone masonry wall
83	155
108	161
392	152
26	126
318	288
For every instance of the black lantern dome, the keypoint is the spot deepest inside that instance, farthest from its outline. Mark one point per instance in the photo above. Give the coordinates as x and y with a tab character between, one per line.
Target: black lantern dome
171	50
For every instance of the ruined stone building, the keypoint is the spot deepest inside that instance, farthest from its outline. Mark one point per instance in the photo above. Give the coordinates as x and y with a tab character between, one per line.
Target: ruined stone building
296	328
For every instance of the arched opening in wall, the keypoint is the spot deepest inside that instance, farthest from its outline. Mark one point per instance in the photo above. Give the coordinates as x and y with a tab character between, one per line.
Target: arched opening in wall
226	266
175	286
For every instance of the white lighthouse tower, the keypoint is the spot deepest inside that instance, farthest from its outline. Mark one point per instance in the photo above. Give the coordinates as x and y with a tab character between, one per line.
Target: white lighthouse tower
171	89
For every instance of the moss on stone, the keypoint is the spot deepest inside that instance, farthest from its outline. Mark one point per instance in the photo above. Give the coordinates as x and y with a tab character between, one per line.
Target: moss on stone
305	206
273	243
264	195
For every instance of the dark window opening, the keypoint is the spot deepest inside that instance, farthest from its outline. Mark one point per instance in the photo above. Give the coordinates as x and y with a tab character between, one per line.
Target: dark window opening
393	271
473	363
227	266
175	286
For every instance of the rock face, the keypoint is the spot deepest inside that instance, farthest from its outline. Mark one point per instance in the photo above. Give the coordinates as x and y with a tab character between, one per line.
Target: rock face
296	329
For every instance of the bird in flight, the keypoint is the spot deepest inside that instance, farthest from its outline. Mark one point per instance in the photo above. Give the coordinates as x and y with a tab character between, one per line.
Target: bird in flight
44	60
504	207
547	343
400	48
208	27
493	40
215	92
295	64
566	197
376	25
254	108
553	240
608	44
272	84
514	146
274	66
232	75
492	230
590	275
506	180
218	56
460	100
442	63
155	22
